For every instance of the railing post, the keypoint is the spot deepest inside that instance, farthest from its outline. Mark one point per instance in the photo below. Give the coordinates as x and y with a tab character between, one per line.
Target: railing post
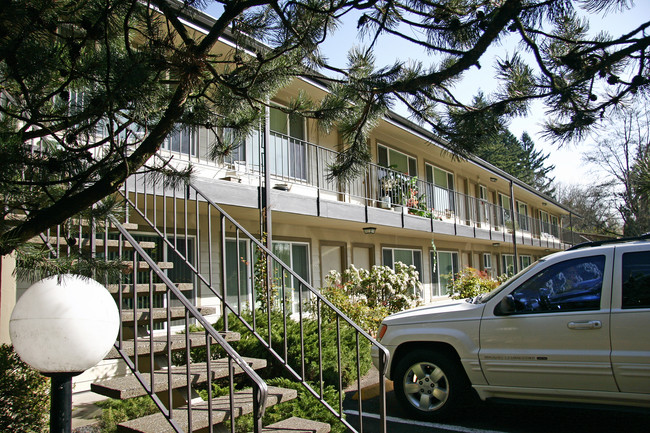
382	393
257	412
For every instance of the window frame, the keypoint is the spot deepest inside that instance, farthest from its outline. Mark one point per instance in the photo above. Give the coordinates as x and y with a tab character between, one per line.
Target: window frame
504	265
411	161
190	133
413	252
292	282
436	275
537	306
289	132
523	217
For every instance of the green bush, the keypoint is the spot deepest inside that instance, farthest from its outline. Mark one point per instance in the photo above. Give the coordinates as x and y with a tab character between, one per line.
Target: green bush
304	406
248	345
117	411
24	395
470	282
368	296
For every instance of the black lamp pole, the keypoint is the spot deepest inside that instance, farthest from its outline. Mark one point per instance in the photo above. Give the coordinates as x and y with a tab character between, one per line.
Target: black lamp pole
61	402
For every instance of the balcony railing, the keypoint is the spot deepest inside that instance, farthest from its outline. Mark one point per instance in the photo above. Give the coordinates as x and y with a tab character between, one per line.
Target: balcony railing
296	161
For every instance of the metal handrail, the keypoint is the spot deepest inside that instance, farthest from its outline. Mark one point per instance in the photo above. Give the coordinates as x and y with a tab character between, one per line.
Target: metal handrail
260	389
287	273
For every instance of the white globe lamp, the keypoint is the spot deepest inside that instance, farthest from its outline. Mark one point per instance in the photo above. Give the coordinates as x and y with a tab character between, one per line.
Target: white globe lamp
62	326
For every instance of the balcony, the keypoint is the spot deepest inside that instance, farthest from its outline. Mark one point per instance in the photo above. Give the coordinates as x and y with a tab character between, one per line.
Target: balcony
302	167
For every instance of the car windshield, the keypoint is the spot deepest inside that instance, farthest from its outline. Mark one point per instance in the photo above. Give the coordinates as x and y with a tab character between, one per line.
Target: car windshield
485	297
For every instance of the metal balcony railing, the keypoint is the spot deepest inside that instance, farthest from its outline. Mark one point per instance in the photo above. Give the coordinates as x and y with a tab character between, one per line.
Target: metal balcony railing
299	162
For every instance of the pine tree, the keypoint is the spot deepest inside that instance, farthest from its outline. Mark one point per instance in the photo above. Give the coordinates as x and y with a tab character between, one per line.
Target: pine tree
135	71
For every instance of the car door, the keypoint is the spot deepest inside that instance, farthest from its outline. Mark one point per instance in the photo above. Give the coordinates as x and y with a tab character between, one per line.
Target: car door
552	330
631	318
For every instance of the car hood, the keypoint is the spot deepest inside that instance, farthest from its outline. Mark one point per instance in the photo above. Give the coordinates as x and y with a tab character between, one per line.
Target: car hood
440	311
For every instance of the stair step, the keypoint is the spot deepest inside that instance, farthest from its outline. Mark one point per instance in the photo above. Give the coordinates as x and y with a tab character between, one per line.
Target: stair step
130	226
157	423
177	341
127	289
128	386
297	425
112	244
144	266
160	314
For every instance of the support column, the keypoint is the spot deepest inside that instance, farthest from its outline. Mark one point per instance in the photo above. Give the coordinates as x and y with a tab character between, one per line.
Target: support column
514	226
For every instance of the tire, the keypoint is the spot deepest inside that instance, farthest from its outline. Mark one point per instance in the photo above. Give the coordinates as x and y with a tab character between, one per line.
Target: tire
430	385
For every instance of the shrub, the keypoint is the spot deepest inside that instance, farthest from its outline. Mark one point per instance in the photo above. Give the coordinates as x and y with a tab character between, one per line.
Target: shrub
24	395
248	345
304	406
367	297
117	411
470	282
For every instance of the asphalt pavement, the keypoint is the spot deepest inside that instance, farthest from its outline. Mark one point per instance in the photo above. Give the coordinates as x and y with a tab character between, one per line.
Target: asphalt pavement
499	417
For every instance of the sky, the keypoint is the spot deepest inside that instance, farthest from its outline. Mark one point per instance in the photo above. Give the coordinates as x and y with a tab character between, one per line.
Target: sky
569	168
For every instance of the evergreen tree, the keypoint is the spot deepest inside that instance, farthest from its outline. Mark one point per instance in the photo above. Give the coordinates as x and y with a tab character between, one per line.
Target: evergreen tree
135	71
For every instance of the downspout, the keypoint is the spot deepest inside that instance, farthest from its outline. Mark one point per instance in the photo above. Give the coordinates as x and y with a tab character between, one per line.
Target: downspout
266	196
266	213
514	226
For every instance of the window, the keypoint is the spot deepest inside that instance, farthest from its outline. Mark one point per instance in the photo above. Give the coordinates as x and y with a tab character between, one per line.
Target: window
296	256
238	154
483	204
238	299
525	261
508	264
184	140
555	226
443	188
408	257
288	150
572	285
522	215
504	215
395	160
445	271
636	280
287	124
544	222
487	263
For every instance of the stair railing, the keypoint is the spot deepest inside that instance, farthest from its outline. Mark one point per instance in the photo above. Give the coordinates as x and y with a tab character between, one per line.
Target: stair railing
191	313
143	195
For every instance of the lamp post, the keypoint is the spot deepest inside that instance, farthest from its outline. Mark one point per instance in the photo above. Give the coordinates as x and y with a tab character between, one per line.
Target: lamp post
62	326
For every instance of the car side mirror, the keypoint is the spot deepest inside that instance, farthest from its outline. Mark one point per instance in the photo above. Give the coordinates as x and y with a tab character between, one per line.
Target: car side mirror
506	306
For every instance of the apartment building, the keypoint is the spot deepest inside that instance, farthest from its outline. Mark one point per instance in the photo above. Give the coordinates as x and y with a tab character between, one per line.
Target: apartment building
414	203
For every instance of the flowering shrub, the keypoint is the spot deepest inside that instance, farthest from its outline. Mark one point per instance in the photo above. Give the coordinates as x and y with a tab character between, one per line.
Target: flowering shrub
471	282
367	296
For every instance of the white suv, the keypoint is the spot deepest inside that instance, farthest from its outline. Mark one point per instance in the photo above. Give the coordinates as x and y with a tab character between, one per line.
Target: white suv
574	326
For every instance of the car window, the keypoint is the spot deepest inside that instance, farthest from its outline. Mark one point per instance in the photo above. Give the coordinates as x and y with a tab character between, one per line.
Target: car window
636	280
571	285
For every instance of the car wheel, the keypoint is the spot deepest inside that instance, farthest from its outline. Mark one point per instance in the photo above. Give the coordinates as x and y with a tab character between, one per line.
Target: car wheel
430	384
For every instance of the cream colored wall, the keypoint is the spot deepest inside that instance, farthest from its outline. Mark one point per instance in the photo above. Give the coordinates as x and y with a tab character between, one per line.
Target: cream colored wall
7	295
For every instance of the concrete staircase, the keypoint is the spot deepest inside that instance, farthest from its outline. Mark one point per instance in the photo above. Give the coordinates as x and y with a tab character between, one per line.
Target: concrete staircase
158	358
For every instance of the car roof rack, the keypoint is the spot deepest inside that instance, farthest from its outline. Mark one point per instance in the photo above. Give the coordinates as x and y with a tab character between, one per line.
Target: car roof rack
643	237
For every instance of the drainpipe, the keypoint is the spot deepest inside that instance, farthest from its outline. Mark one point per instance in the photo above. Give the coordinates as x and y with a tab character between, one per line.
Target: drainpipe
266	196
571	225
514	226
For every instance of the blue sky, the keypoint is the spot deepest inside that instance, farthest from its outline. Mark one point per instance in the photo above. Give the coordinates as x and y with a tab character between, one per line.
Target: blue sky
567	160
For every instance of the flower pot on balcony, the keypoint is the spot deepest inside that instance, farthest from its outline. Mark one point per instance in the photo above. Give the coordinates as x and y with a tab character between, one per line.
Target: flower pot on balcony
385	202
